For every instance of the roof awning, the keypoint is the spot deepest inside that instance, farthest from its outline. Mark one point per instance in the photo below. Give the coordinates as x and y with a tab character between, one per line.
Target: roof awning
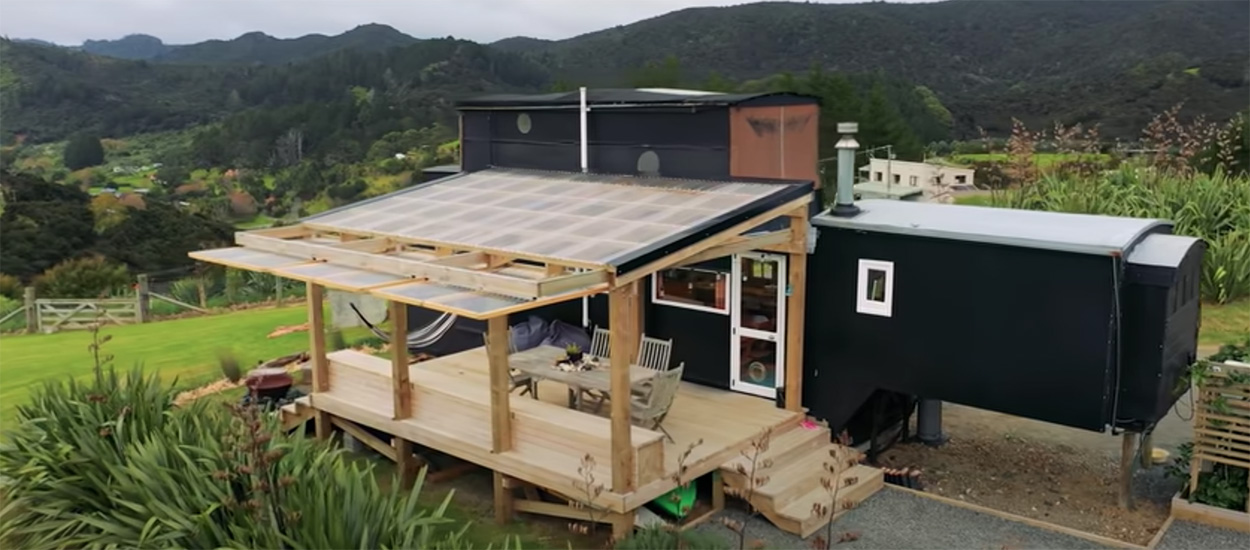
489	243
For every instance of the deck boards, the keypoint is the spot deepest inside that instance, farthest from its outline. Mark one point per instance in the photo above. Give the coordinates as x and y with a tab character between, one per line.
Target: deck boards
450	405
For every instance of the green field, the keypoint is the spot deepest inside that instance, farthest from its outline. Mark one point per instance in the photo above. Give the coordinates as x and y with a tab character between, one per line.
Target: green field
183	348
1043	160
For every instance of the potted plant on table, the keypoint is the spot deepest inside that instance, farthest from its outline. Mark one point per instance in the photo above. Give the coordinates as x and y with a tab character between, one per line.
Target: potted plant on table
573	353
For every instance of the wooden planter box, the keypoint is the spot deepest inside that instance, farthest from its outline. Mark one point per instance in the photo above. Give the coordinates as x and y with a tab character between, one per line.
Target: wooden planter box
1209	515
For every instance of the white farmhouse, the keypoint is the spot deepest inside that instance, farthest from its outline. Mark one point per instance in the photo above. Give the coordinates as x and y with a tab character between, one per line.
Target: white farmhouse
932	178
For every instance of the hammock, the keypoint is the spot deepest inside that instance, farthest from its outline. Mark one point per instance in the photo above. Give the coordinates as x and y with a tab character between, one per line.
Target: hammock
417	339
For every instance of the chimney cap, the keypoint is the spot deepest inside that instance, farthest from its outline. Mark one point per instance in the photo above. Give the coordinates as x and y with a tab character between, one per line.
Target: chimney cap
848	127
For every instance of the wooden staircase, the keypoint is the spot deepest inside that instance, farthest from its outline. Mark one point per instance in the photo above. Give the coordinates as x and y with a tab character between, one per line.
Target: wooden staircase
295	413
793	484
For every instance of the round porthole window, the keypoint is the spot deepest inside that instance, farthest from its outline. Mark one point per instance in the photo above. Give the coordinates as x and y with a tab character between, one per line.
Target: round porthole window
523	123
649	164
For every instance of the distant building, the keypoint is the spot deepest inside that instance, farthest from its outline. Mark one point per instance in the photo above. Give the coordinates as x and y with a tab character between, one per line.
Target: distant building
931	178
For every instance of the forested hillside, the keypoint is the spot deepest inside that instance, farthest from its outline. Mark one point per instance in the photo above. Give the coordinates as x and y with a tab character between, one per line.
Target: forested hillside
48	93
1116	63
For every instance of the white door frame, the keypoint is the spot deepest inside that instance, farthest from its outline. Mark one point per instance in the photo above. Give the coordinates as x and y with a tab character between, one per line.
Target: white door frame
737	331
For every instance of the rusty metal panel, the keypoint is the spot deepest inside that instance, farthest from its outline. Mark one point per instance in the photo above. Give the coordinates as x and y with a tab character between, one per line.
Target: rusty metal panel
778	142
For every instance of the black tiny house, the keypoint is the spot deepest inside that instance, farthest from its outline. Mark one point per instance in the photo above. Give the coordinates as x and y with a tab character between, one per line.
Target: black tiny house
1085	321
1035	314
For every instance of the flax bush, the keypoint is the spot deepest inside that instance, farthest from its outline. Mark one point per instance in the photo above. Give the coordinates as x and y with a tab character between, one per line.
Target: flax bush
1215	208
112	463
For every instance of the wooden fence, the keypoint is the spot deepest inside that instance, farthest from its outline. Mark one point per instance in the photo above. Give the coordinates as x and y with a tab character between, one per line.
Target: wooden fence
56	314
1222	420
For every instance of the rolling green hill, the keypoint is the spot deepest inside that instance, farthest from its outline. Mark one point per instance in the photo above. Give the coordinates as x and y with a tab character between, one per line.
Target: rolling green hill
1116	63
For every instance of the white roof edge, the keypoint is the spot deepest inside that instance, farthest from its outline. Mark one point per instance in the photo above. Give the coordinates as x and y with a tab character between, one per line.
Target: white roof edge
1026	233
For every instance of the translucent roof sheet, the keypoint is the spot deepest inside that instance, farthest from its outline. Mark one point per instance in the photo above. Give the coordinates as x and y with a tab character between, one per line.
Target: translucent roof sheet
585	218
448	298
1080	233
338	276
243	258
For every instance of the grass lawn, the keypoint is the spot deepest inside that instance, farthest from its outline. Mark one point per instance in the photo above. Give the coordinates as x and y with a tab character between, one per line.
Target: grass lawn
183	348
1043	160
1222	324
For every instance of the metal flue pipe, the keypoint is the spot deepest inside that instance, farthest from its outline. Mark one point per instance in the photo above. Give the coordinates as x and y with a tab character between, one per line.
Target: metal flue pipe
844	205
582	118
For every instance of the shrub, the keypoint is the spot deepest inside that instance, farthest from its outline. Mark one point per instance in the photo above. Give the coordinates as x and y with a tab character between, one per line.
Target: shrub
229	366
7	306
11	287
90	277
113	463
1215	208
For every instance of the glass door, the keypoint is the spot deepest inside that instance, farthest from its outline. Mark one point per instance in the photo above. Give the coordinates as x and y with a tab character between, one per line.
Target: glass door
757	338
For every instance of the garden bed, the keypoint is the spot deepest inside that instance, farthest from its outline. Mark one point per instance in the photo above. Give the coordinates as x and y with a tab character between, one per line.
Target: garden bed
1209	515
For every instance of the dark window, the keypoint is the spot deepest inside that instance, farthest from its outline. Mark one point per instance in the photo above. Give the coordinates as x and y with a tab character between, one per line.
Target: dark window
696	288
876	286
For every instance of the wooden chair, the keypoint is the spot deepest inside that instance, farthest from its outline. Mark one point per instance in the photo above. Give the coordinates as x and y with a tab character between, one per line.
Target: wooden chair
600	343
649	411
654	353
519	379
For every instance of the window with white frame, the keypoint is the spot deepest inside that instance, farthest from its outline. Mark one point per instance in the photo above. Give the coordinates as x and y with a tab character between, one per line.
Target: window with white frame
692	288
874	292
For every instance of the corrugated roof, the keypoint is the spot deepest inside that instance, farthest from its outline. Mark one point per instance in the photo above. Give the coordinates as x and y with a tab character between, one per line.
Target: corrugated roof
570	217
623	97
1079	233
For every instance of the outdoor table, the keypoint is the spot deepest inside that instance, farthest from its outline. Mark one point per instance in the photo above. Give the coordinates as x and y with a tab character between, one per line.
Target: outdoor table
540	363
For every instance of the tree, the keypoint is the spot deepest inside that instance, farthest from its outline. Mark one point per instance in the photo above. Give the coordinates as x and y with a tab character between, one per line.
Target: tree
42	225
83	150
91	277
665	74
170	176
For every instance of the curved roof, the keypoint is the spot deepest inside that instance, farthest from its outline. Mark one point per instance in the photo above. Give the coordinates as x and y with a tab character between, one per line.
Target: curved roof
626	97
1079	233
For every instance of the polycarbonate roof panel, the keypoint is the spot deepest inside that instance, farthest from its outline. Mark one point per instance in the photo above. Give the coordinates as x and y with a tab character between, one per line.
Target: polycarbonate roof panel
246	258
597	219
339	276
1079	233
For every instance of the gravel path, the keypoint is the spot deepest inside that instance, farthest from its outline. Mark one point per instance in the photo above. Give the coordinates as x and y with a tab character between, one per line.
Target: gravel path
896	520
1184	535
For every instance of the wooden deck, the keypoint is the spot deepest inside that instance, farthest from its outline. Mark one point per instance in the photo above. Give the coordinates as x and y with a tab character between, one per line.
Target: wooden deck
451	413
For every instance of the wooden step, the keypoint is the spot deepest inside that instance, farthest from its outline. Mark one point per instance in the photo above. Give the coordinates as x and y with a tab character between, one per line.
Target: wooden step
799	512
784	445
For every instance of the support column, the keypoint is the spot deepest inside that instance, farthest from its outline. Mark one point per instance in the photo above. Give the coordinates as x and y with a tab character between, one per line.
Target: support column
796	295
405	462
500	384
401	386
624	320
503	499
1127	444
317	355
929	422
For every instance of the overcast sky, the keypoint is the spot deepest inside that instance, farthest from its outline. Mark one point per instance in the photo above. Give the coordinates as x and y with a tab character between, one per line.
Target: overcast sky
69	22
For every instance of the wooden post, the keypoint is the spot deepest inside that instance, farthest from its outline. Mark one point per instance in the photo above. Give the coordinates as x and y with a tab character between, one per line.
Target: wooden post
796	294
203	292
317	338
1127	444
1147	445
277	290
500	385
503	498
401	387
623	321
718	491
32	310
405	462
317	356
143	299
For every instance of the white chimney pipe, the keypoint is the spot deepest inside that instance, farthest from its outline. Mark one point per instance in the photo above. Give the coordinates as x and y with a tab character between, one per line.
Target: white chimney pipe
582	115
